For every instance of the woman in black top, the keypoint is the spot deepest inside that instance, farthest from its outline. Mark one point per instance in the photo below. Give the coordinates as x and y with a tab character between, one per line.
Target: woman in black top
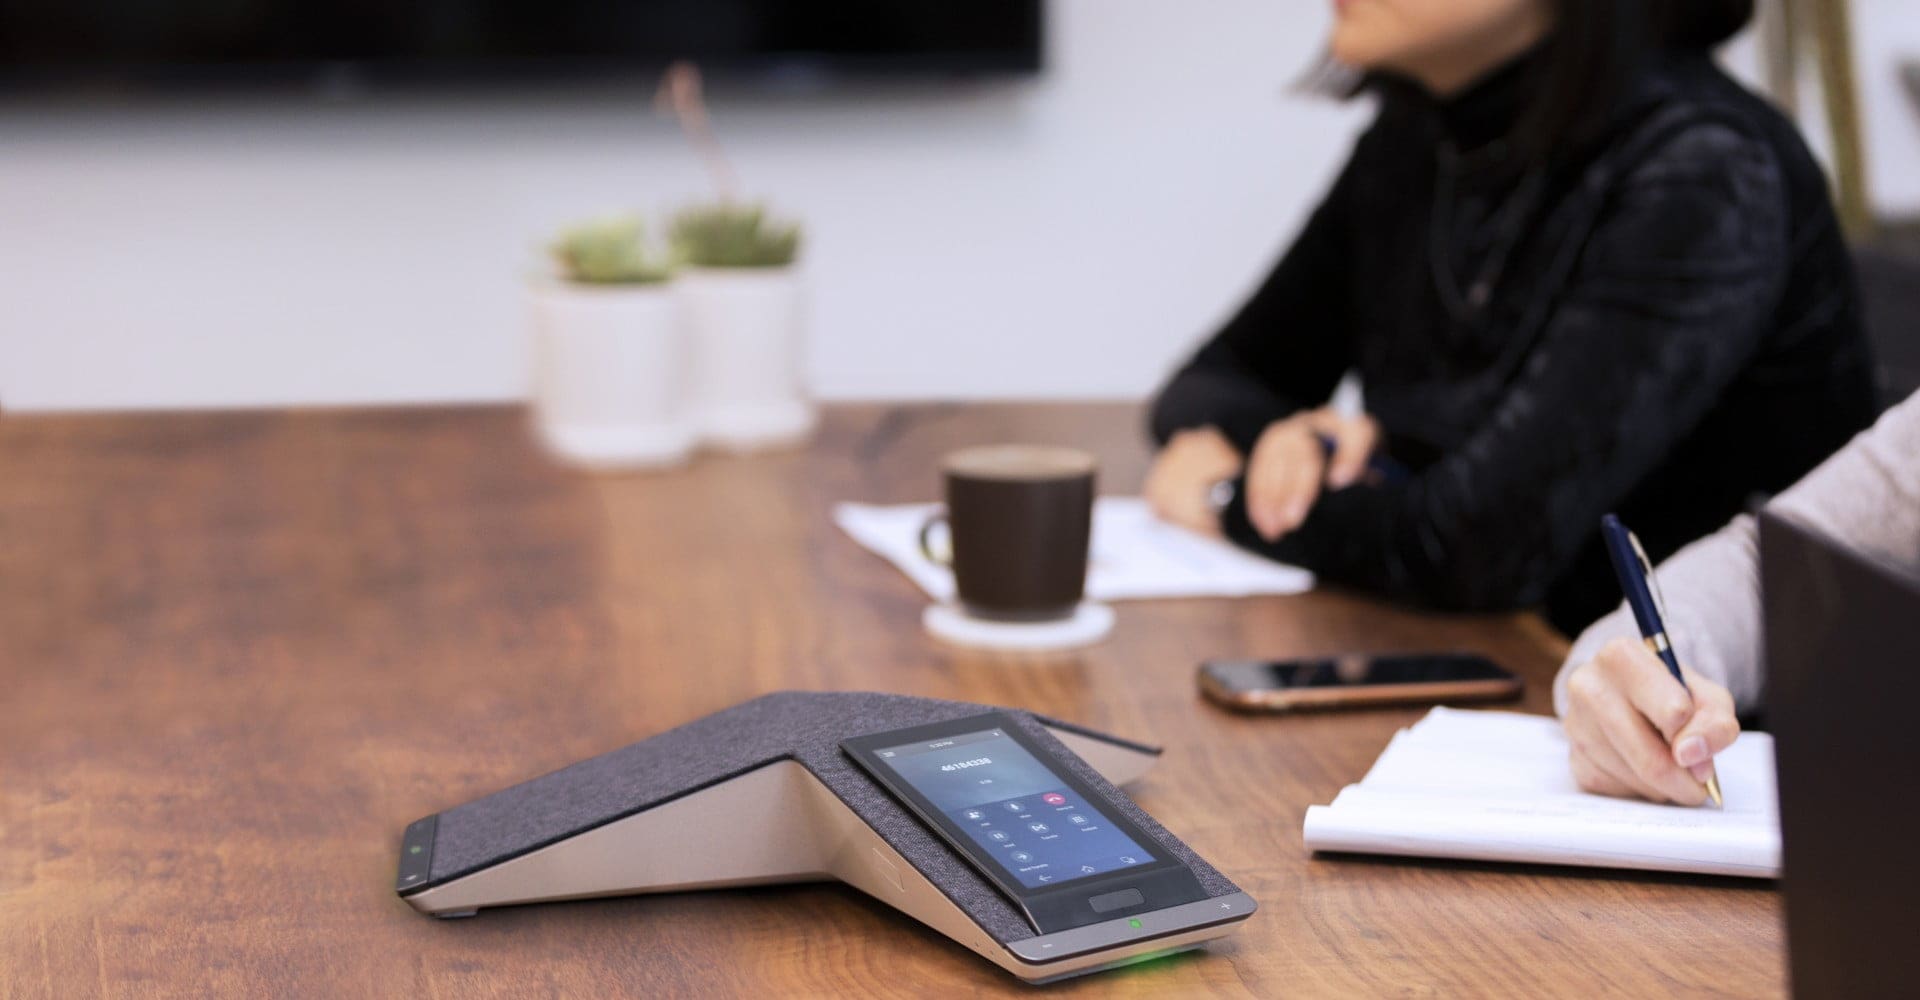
1577	269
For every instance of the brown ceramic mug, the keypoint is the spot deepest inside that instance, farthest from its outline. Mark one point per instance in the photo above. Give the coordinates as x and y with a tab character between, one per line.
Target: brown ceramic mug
1019	518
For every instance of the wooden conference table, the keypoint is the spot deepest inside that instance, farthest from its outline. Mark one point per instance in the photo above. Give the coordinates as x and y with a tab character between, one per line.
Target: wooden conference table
239	652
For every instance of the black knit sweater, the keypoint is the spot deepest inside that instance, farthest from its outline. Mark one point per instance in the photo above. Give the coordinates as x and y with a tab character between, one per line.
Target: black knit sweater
1662	324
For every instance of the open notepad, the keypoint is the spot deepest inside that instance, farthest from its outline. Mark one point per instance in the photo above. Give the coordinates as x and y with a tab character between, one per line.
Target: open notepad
1495	786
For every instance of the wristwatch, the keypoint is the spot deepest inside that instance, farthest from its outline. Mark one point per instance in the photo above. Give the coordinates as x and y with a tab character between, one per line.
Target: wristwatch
1220	496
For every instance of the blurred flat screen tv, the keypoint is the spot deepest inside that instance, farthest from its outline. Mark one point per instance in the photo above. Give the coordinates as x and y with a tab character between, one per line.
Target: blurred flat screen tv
161	42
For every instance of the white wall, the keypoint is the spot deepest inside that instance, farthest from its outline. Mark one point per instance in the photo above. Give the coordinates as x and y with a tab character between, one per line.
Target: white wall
1068	236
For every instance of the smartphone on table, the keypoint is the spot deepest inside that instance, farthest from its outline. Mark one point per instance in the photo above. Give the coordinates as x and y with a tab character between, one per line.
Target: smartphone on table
1356	680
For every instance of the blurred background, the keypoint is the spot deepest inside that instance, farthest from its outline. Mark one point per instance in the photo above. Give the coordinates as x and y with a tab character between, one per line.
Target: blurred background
281	202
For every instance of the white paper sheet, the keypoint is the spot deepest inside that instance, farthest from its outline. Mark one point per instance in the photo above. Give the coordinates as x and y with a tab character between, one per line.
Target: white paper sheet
1495	786
1135	555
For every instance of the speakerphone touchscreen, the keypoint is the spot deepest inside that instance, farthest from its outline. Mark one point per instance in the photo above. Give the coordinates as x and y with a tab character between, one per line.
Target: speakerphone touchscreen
1034	830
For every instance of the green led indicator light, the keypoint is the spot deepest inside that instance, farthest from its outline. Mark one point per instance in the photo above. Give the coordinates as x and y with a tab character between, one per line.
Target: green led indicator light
1133	923
415	849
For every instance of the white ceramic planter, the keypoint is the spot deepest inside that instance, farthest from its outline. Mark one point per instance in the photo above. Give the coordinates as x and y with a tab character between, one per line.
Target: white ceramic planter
746	328
609	366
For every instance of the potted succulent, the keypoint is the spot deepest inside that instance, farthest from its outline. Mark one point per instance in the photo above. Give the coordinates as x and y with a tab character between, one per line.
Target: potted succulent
741	300
740	295
609	351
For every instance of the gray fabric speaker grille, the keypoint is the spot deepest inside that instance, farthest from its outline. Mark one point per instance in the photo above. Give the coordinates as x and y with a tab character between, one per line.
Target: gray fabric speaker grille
804	726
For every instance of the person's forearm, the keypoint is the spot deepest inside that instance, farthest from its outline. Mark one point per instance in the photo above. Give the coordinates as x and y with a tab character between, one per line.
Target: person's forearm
1403	542
1364	537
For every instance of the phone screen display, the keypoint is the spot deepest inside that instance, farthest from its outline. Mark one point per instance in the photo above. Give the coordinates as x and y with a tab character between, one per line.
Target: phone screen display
1354	671
1059	849
1017	812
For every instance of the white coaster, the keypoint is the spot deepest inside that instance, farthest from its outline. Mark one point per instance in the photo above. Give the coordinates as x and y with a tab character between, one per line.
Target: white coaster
1089	624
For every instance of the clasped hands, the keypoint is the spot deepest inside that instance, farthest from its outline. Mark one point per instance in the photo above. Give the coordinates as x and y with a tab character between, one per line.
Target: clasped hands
1288	469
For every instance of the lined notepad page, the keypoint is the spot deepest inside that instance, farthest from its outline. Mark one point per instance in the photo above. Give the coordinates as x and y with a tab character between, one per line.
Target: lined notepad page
1496	786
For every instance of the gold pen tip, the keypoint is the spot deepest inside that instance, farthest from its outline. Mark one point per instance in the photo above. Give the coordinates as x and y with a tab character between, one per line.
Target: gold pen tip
1713	789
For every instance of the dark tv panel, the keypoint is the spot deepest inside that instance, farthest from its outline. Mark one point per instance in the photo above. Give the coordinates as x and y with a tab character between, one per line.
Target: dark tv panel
139	43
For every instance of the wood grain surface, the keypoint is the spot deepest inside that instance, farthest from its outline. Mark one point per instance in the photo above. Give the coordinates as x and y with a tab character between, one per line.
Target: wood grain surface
238	652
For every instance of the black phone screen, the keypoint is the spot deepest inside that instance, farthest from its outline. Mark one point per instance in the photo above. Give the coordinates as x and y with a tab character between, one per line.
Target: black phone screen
1016	811
1354	670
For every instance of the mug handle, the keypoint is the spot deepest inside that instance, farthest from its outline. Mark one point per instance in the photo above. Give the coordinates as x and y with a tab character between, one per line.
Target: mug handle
926	543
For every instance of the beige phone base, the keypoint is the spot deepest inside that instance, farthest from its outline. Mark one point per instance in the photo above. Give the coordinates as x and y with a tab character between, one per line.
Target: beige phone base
716	838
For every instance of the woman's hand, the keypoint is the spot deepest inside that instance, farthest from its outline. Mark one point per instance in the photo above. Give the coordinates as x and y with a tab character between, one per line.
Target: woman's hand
1290	463
1183	474
1634	731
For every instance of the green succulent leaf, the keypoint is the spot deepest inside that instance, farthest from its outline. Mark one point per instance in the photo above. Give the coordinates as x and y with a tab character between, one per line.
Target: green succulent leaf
731	235
610	251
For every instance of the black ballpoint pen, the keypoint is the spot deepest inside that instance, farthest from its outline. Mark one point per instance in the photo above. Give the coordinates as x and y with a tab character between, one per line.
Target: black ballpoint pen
1631	565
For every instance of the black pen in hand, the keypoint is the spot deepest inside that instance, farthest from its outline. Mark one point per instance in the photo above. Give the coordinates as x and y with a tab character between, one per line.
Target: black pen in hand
1631	565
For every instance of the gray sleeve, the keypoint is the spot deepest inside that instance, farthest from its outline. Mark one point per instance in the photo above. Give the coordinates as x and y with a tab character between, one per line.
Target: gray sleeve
1867	495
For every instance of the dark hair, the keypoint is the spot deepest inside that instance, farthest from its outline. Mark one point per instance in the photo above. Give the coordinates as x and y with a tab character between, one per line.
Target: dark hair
1593	49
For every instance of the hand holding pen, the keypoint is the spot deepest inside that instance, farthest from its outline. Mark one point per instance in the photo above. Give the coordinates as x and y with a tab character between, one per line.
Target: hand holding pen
1639	722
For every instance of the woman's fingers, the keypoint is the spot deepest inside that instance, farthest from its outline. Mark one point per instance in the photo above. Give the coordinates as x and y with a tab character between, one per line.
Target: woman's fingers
1696	721
1621	694
1648	756
1592	779
1170	503
1712	729
1626	738
1290	465
1598	738
1354	439
1185	470
1267	492
1633	670
1283	478
1303	478
1599	769
1265	470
